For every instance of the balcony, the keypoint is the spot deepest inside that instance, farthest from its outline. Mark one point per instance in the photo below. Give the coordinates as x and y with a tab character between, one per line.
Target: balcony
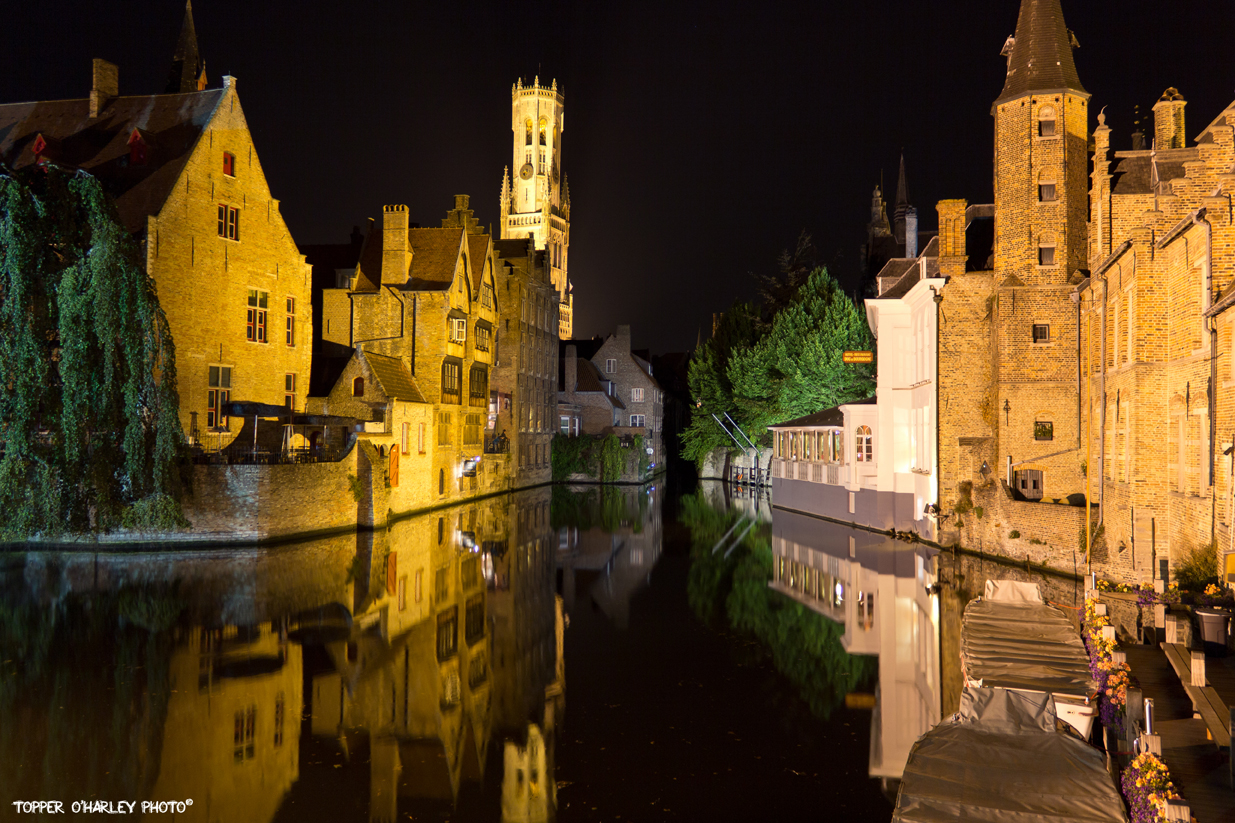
833	474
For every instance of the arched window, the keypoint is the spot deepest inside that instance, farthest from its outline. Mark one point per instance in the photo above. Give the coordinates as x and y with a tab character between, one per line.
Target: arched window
1046	122
1046	250
358	387
441	489
544	124
865	452
528	127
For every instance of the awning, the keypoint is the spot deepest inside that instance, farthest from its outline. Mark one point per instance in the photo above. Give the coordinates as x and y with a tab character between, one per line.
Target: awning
1000	759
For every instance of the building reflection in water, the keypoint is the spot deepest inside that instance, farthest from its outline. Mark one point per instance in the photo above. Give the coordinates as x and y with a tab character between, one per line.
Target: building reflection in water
882	591
616	534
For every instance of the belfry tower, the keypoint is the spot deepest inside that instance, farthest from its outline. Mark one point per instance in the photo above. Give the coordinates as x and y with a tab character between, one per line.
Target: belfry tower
1040	253
535	202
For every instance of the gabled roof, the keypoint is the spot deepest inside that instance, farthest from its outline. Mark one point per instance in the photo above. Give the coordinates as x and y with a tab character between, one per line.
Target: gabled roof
435	255
392	375
1134	172
1041	58
828	417
478	248
170	125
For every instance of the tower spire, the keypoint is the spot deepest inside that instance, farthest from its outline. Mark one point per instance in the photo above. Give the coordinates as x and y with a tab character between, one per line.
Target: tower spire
188	71
1040	53
902	193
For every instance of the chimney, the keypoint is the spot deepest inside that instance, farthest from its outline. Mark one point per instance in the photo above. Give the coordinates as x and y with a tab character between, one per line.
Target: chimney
1169	120
104	87
461	201
396	255
911	232
572	370
623	338
952	228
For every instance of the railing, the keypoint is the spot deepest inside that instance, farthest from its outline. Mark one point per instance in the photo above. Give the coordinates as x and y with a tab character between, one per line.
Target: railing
497	445
748	476
235	456
806	470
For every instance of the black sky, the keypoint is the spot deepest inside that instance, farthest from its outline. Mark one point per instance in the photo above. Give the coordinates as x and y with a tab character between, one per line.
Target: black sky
700	136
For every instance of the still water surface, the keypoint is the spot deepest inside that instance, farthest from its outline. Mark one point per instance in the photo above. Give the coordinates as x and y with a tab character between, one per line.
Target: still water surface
616	654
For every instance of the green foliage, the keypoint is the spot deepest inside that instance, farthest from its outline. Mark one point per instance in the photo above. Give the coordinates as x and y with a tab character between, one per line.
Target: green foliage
979	511
570	455
1198	568
156	513
608	508
89	414
604	457
611	457
1036	542
356	487
1014	534
964	497
790	368
645	462
803	644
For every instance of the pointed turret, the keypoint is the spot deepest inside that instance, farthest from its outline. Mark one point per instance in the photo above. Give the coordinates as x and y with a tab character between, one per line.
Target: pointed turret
905	218
902	192
188	72
1040	53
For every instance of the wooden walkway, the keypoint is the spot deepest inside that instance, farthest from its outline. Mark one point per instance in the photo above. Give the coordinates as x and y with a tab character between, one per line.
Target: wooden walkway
1199	768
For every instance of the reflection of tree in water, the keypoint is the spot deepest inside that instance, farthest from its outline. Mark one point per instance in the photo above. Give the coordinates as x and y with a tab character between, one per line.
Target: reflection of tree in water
608	508
83	691
804	645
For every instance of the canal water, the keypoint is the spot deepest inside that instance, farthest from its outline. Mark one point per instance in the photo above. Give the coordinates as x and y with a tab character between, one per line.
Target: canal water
616	654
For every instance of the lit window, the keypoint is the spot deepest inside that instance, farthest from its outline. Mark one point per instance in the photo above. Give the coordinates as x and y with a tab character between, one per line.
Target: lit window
565	425
637	420
358	387
483	336
452	379
636	395
217	396
290	325
243	734
255	322
229	222
458	330
443	428
610	366
229	164
865	446
289	391
478	386
1043	430
407	436
420	438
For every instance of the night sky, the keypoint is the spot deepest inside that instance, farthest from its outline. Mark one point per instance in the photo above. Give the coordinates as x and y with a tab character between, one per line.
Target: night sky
700	137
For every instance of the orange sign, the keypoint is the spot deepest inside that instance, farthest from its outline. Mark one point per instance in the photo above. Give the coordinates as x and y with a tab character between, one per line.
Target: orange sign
858	357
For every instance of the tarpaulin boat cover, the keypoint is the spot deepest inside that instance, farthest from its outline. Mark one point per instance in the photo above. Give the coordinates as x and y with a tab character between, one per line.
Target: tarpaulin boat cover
1000	759
1023	645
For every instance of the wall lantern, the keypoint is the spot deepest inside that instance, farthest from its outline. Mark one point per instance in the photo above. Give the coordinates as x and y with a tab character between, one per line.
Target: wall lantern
1007	409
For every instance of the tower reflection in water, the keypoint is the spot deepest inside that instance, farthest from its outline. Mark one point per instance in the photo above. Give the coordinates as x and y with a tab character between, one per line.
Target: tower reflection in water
270	684
882	591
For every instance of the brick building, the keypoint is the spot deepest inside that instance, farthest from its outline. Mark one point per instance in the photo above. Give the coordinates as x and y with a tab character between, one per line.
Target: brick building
587	402
535	203
631	382
526	404
186	180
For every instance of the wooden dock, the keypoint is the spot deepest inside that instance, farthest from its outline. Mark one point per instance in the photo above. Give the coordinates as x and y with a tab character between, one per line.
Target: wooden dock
1200	768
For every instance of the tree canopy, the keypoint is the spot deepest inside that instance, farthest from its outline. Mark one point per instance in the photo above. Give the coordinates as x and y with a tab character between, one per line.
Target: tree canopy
90	433
791	368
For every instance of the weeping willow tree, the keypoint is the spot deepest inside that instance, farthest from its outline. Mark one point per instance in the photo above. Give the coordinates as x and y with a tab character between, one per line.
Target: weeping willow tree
90	436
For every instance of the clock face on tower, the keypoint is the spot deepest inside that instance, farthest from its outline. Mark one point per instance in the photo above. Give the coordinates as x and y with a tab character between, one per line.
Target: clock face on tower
526	171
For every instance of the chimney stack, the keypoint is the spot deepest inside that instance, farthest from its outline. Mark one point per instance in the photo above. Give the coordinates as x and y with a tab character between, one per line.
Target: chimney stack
105	86
911	232
571	370
623	337
396	254
952	228
1169	120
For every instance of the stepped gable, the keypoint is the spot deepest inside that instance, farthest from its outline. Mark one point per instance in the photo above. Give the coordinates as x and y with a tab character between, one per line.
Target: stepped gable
169	126
1041	53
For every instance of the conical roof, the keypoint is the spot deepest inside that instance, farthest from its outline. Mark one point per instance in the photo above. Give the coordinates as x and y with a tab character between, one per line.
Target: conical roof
1041	58
187	64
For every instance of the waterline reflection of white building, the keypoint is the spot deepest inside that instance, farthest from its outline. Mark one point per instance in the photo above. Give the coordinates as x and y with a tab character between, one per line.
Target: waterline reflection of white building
882	591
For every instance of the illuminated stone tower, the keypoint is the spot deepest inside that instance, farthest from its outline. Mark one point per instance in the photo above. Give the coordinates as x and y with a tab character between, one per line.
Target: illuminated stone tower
535	197
1040	252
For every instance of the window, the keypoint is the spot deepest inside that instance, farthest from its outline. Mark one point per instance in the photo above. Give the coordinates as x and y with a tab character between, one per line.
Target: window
443	428
474	620
636	420
1041	333
1043	430
441	583
403	592
289	391
394	468
478	386
358	387
1046	122
255	319
565	425
419	591
483	336
486	295
407	435
865	448
458	330
1046	253
1029	484
243	734
1046	192
420	437
229	222
528	128
447	632
278	720
470	571
290	325
217	396
452	379
229	164
636	395
610	366
472	424
441	481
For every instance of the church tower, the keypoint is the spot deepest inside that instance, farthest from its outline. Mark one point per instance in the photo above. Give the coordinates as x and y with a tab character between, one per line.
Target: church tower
188	72
1040	253
535	199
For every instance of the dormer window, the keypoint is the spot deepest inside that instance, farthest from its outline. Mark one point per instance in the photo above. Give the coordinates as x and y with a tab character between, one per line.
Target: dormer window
1046	122
458	330
138	151
229	164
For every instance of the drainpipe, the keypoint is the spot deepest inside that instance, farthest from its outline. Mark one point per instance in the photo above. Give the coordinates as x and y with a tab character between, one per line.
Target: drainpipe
1106	288
938	462
1199	217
